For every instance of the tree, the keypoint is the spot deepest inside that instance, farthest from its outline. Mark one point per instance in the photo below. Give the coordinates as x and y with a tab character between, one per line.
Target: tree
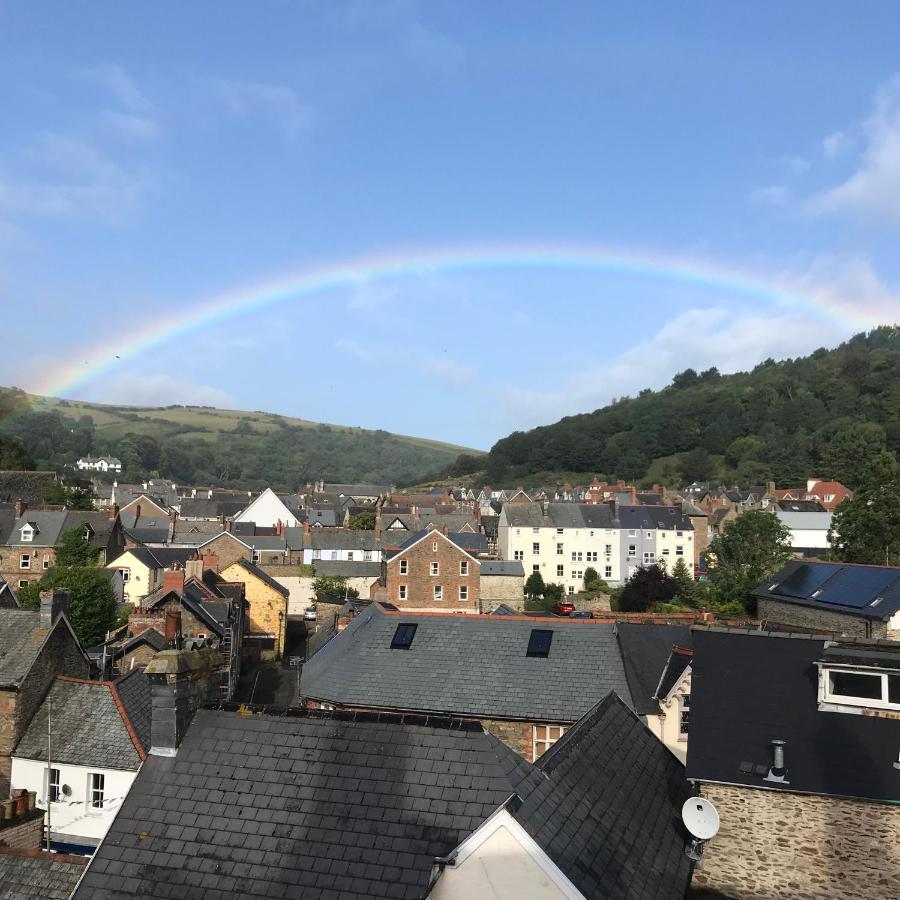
73	497
74	550
13	455
553	593
363	521
696	465
534	586
866	529
648	586
750	549
590	576
850	450
686	584
333	586
93	604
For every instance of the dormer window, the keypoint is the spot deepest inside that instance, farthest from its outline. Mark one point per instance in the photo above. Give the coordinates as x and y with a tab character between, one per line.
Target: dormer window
27	533
859	687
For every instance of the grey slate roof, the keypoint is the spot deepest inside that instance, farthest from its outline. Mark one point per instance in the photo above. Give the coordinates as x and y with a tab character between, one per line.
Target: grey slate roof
347	568
134	692
100	522
468	665
608	812
343	539
21	639
33	875
646	649
87	728
559	515
49	524
502	567
350	806
652	517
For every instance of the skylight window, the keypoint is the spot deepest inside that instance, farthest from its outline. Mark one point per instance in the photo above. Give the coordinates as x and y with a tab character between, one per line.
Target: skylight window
539	643
403	636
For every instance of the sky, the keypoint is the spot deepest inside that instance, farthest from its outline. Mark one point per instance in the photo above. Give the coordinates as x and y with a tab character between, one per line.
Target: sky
448	219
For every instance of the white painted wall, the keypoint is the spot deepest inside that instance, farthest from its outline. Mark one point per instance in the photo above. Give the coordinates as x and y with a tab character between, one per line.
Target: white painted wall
809	537
301	592
667	727
72	819
266	510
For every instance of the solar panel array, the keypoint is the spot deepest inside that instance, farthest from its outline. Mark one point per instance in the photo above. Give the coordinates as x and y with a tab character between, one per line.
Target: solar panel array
806	579
857	586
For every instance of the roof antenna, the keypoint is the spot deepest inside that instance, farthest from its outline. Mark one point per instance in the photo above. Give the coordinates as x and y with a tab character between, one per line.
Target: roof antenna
701	819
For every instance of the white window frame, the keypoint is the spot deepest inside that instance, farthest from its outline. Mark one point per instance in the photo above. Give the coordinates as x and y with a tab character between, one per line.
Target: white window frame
632	551
828	696
367	556
560	551
535	548
404	567
560	530
349	556
254	556
679	534
684	707
438	593
608	550
24	562
591	556
679	549
52	785
608	572
126	575
649	535
27	534
463	568
96	796
543	737
434	546
518	554
649	557
434	569
571	588
401	592
560	571
463	593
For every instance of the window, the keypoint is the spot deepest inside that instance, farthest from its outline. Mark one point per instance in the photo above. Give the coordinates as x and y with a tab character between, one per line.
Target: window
608	550
254	556
434	547
873	689
46	561
349	556
560	571
607	572
126	575
535	530
87	535
404	567
576	556
403	636
592	556
649	556
632	550
539	642
435	569
543	737
649	535
334	554
536	568
317	554
632	532
829	498
559	531
52	785
684	715
559	549
679	550
463	567
463	593
401	593
438	592
518	554
577	574
367	555
535	549
679	534
665	551
571	588
25	561
96	790
27	534
23	583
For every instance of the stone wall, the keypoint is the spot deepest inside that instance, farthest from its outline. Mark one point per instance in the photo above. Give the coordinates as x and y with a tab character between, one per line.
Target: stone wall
497	589
819	619
9	564
420	583
777	844
24	832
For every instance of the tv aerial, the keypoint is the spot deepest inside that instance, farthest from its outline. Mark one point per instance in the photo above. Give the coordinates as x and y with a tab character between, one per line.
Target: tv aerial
701	819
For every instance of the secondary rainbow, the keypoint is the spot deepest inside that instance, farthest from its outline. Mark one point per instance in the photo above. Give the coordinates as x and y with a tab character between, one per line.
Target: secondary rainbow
89	363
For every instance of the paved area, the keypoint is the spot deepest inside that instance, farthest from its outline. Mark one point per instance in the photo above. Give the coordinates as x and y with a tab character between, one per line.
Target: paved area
269	684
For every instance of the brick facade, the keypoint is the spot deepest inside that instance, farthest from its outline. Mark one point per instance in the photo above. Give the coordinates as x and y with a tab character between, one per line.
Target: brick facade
23	832
10	568
420	583
777	844
823	620
228	549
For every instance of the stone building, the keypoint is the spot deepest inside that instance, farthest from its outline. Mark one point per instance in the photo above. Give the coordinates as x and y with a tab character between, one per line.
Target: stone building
502	581
35	647
853	601
795	740
267	608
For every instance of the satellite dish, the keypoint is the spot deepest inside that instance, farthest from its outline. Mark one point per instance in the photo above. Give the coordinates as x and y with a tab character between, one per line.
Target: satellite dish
700	818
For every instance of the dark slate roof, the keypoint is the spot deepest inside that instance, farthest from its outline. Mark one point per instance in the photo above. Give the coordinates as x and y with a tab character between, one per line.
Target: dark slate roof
468	541
872	592
749	688
645	651
34	875
468	665
559	515
350	806
8	598
21	639
101	524
608	812
161	557
253	569
87	726
344	539
202	508
347	568
27	486
502	567
652	517
48	523
678	661
134	692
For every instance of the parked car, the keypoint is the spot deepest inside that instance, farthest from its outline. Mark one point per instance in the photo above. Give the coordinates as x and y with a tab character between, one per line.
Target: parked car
310	614
563	608
581	614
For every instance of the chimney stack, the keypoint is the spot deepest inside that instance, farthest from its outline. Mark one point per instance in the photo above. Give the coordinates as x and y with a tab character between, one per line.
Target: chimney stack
21	506
193	568
53	602
633	491
173	579
173	628
114	512
210	561
229	524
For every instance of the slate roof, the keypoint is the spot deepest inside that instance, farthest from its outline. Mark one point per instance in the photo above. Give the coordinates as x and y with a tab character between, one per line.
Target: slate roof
872	592
608	811
27	486
8	598
678	661
341	539
195	531
349	805
35	875
347	568
358	490
559	515
645	650
473	544
327	518
49	525
101	524
89	727
748	688
468	665
252	569
134	692
203	508
21	639
653	517
502	567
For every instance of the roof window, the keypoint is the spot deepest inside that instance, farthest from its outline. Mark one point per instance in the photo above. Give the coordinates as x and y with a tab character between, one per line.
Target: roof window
865	688
539	643
403	636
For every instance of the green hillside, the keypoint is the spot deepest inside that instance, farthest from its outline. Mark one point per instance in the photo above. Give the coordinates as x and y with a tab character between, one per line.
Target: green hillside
821	415
204	445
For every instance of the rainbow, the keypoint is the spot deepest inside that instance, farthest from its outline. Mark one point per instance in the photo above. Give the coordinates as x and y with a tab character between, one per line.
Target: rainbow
89	363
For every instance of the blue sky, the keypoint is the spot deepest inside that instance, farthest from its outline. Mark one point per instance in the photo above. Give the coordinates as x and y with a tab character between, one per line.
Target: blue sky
154	155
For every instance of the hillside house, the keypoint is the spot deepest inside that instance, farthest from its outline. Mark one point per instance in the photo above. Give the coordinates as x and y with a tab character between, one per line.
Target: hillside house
98	464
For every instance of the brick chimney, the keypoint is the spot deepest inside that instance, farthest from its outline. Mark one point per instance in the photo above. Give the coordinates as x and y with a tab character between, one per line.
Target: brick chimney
53	602
21	506
210	561
306	527
173	627
114	512
229	524
173	579
633	491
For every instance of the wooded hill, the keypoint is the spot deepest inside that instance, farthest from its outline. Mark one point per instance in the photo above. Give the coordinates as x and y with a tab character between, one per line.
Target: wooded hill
822	415
208	446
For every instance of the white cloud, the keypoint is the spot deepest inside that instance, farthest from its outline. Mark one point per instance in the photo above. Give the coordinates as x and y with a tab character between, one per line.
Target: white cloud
280	104
159	390
836	144
450	372
873	191
771	195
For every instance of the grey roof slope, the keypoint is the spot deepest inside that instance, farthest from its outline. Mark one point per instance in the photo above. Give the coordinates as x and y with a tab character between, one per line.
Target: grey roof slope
502	567
350	806
468	665
559	515
344	539
101	524
608	811
872	592
49	524
34	875
652	517
21	639
87	727
347	568
645	650
134	692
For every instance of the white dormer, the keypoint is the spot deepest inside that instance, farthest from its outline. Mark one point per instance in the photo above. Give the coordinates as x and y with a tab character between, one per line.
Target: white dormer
28	531
848	687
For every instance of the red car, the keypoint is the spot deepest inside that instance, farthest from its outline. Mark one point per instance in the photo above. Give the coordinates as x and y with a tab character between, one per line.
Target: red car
563	608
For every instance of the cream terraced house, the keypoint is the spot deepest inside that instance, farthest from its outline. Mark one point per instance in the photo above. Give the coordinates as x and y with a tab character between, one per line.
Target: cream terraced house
562	540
